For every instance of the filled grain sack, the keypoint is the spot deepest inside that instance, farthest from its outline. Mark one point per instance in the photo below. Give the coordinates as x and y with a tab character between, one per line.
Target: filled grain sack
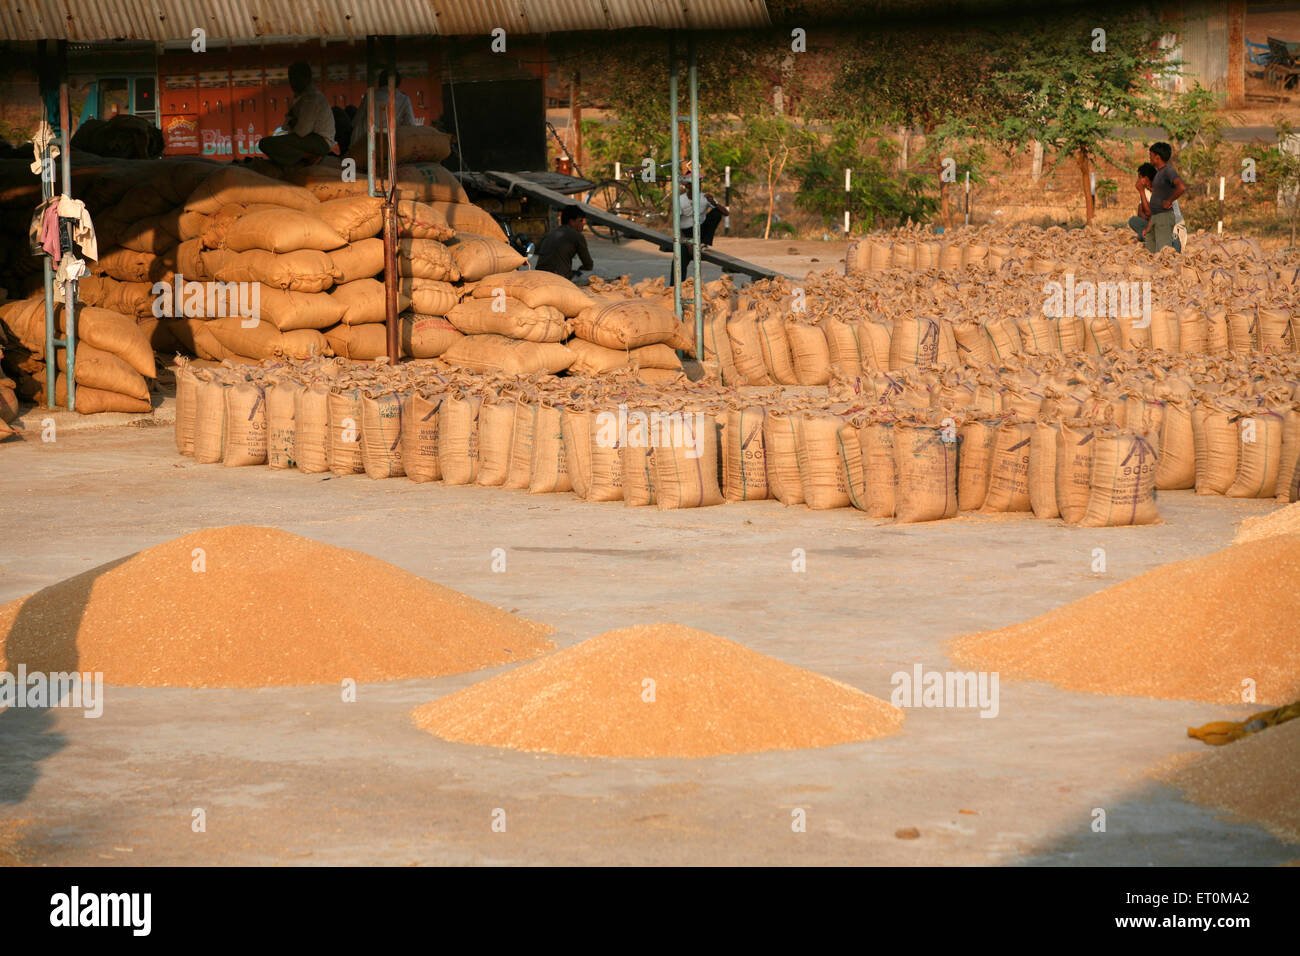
415	144
105	371
1217	437
638	460
1009	474
534	289
1176	462
498	353
419	220
263	340
360	343
427	336
311	429
124	298
1074	456
502	315
306	270
479	256
550	468
576	427
130	265
927	473
153	235
246	425
92	401
466	217
365	301
381	434
718	360
605	454
775	347
977	440
879	470
810	353
822	474
1122	487
745	472
209	420
353	217
1288	474
781	454
496	422
629	324
520	457
363	259
1042	470
458	438
420	435
234	183
593	360
112	332
1259	456
281	401
345	418
186	387
686	460
288	310
747	350
874	343
430	296
915	341
281	230
426	259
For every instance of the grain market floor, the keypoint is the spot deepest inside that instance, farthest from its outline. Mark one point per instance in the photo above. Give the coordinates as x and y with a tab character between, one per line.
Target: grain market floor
296	776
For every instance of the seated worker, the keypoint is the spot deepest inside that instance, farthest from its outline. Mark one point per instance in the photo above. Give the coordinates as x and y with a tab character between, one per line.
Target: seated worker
405	112
689	216
1166	187
309	124
562	243
1138	223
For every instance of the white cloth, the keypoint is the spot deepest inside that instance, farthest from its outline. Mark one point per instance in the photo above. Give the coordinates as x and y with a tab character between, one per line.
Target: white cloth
311	113
43	137
690	214
70	268
405	114
83	232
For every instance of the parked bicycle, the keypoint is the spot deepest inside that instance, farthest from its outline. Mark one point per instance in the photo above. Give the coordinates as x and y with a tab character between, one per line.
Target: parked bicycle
629	197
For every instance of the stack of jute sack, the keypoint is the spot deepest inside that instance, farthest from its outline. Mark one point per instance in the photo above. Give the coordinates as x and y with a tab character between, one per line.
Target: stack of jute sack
114	359
1088	442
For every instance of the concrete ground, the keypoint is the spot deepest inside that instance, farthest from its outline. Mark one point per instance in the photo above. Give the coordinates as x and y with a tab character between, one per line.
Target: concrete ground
296	776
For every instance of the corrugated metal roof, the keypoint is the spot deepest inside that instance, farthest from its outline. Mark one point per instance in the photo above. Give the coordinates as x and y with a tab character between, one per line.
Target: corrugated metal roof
173	20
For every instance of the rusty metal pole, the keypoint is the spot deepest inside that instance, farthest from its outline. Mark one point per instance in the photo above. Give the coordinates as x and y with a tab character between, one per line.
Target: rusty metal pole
390	213
70	285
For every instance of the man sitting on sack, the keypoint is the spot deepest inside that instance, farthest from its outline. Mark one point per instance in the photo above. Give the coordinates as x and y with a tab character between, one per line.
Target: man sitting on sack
309	124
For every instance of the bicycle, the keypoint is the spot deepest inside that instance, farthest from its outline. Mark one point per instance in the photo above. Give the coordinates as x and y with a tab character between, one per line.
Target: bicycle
631	198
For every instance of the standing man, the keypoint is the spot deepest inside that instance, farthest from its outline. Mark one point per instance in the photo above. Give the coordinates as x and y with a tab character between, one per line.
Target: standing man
562	243
707	227
405	111
309	124
1166	187
1145	174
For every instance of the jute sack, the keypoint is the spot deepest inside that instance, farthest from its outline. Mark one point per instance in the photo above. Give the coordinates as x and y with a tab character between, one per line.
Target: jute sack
781	454
466	217
1004	339
775	346
606	447
430	182
264	340
1042	471
879	471
281	230
747	350
498	353
430	296
638	460
364	301
718	359
426	259
186	388
1009	475
1241	332
209	421
1164	330
427	336
190	225
123	298
520	468
849	442
479	256
576	425
1176	462
874	342
153	234
1216	331
972	345
628	324
821	468
1193	331
810	353
510	317
288	310
189	261
306	270
458	438
238	184
311	429
353	217
975	463
281	400
360	343
1259	457
1122	488
915	341
686	462
130	265
419	220
246	425
1100	334
194	336
1215	433
535	289
345	418
1074	455
105	371
496	423
927	473
842	345
420	436
1288	474
92	401
381	434
363	259
215	227
1275	331
746	469
550	468
415	144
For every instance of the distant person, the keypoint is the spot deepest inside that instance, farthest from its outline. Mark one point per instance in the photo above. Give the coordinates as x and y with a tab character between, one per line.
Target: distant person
405	111
1166	187
562	243
1145	174
708	226
308	125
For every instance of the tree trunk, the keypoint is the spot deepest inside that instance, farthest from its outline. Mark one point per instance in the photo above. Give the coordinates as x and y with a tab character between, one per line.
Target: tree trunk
771	197
1036	163
1085	170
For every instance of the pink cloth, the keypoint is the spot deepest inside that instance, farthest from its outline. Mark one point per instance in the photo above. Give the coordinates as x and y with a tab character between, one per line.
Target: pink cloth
50	231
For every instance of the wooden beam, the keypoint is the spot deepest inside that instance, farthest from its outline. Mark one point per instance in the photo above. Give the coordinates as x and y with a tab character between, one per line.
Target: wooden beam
1236	54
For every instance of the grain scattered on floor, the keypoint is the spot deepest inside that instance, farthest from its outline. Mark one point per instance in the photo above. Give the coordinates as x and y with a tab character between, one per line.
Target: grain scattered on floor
1282	521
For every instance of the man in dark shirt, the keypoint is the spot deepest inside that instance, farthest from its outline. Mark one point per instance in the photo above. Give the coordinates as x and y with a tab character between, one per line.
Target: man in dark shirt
1166	187
564	242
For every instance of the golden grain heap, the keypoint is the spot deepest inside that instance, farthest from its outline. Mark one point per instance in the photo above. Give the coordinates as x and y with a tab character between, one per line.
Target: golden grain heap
257	607
660	690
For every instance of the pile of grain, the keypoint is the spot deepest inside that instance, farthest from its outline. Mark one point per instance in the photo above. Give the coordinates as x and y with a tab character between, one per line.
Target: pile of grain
710	696
1283	521
1192	630
1256	778
269	609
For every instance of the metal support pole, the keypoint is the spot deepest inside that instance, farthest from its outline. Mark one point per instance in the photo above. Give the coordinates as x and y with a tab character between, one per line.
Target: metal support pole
1219	229
726	201
390	213
70	287
47	192
675	137
848	180
370	116
692	80
968	197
